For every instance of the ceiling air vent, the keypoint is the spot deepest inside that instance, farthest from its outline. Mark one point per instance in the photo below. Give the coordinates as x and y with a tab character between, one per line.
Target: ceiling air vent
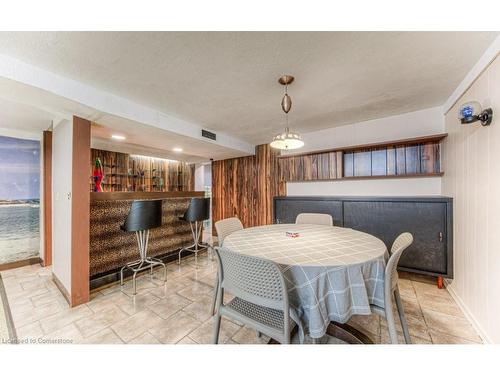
209	135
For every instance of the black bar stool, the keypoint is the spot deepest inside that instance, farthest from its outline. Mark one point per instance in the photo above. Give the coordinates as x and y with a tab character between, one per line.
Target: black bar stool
198	211
143	216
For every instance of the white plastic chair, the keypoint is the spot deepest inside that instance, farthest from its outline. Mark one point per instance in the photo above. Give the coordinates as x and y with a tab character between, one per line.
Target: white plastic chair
391	289
260	295
224	228
320	219
227	226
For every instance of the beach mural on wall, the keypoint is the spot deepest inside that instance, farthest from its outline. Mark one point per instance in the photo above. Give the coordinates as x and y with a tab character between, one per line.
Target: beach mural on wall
19	199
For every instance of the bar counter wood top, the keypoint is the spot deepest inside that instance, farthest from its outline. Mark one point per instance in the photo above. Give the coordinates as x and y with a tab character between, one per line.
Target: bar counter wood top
131	195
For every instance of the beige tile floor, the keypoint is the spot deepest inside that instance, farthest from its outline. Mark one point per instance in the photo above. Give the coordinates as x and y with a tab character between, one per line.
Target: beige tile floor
178	312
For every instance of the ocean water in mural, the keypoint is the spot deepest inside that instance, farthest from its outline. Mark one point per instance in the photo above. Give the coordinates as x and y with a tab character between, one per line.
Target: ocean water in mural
19	199
19	232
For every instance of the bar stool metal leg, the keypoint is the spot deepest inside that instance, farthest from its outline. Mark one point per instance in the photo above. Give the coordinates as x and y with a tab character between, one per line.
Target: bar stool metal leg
144	262
197	246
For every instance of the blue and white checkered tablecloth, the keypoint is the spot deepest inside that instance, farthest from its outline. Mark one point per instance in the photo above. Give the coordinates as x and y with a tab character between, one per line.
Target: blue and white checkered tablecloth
332	273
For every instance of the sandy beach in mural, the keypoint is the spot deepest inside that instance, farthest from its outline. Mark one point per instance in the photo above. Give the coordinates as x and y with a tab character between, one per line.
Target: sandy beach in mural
19	232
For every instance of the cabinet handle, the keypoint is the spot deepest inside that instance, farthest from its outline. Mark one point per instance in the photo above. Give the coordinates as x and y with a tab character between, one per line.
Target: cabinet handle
440	236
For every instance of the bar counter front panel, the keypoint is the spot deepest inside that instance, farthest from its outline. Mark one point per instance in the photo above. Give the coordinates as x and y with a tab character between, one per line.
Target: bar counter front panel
111	248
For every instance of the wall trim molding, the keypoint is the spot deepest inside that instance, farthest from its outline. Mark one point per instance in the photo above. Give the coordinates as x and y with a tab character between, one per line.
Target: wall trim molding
20	263
47	197
482	64
468	314
61	288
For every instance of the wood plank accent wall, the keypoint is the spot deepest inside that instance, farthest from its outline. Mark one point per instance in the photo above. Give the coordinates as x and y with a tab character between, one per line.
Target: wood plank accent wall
326	166
80	212
244	187
411	158
47	198
123	172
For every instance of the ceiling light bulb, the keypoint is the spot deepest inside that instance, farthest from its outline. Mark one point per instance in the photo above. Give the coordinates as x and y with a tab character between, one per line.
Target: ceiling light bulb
177	149
118	137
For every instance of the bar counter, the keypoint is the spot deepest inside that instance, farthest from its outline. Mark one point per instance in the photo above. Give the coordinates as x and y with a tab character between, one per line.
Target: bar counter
111	248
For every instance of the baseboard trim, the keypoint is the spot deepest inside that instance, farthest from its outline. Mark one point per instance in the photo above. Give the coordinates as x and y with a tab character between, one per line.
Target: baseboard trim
470	317
61	288
11	329
20	263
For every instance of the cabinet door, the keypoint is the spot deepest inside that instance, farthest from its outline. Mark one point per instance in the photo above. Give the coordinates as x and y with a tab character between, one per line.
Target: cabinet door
286	210
386	220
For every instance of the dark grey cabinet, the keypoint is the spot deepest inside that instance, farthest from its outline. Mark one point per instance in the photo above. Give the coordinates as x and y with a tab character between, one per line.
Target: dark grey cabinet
429	219
287	211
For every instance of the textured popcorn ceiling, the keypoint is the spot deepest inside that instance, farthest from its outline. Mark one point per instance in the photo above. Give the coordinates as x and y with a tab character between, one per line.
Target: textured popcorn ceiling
228	81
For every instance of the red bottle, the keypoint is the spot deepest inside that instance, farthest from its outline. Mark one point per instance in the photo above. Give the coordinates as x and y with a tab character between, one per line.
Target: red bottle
98	175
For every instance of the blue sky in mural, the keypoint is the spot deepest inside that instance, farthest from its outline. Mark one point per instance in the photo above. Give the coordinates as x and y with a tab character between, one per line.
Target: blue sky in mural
19	169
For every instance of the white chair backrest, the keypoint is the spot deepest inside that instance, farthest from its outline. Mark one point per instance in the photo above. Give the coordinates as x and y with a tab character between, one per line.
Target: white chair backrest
400	244
321	219
227	226
252	279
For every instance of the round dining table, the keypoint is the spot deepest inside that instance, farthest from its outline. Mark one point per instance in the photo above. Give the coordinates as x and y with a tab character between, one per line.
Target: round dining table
332	273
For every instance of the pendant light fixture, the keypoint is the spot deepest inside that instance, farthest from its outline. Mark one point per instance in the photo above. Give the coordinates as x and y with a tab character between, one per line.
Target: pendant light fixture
287	140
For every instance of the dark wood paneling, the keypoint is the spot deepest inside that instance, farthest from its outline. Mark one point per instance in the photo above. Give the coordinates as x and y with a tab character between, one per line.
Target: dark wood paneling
435	138
269	184
244	187
47	198
124	172
412	159
417	157
400	160
430	157
80	212
326	166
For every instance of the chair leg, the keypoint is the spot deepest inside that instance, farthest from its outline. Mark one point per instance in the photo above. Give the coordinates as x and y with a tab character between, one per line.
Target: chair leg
214	297
389	316
402	317
217	319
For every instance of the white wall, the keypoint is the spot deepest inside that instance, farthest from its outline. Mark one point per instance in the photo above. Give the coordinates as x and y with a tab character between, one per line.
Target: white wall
61	204
383	187
471	163
202	176
199	177
425	122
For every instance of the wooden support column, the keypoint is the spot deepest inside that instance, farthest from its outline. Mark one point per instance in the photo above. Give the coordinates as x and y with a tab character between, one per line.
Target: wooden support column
244	187
47	197
268	182
80	212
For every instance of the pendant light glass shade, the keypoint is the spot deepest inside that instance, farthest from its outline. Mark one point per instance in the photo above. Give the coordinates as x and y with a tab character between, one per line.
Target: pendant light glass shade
287	141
